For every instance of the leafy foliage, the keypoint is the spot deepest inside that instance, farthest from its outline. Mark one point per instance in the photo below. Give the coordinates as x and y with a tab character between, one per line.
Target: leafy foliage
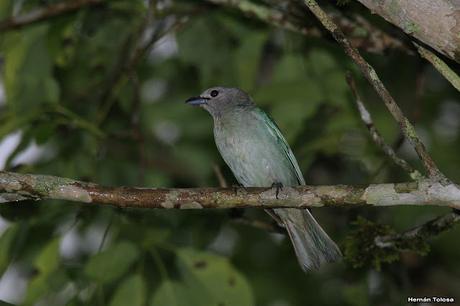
206	279
111	264
131	291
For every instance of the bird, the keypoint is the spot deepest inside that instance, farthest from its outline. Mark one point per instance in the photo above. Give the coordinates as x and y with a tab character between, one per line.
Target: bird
254	149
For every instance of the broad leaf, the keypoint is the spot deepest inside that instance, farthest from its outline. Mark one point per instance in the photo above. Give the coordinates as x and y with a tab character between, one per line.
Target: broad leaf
112	263
7	240
130	292
208	279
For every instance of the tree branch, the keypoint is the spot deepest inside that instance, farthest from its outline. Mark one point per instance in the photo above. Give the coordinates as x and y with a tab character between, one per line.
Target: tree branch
407	239
371	243
376	136
220	177
438	63
268	15
371	75
41	14
372	40
436	23
18	187
131	58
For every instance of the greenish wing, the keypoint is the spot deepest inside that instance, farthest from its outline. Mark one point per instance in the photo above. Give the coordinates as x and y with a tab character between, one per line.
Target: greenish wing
282	141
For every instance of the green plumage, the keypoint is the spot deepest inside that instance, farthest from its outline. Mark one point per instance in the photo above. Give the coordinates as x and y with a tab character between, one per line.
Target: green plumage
255	150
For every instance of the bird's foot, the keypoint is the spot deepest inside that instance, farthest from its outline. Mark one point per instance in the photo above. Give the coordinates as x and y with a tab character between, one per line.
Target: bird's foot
278	186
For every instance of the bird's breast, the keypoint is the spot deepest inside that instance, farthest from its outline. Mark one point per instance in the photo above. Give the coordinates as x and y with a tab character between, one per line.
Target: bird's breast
253	154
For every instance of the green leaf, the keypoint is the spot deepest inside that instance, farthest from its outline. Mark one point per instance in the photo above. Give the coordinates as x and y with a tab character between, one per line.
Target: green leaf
44	284
112	263
49	277
7	240
174	293
6	7
44	131
216	276
48	260
325	73
28	70
138	7
208	279
23	144
248	59
154	236
300	96
130	292
356	294
12	122
210	54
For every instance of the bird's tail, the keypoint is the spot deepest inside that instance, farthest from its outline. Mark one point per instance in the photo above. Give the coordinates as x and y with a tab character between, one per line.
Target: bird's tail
312	245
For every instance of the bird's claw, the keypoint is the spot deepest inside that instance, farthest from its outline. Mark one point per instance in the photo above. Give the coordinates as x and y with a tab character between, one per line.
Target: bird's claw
278	186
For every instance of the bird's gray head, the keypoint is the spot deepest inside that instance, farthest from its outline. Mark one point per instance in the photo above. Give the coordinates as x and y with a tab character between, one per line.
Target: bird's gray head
220	100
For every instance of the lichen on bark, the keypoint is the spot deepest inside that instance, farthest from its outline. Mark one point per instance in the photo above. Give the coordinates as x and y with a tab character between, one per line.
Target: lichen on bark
362	250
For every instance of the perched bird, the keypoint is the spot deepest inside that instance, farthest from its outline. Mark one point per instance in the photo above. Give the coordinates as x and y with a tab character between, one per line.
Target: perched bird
258	155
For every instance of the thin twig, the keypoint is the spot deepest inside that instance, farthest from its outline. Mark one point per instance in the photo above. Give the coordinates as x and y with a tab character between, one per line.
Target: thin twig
162	31
136	128
106	232
420	233
79	121
375	40
121	67
376	136
48	12
269	15
220	176
440	65
369	73
128	62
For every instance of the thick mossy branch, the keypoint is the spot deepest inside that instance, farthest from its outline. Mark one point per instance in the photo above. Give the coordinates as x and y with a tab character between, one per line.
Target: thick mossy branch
361	249
372	244
436	23
369	243
17	187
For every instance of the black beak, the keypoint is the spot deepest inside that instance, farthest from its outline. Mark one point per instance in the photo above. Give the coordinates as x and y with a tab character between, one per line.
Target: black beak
196	100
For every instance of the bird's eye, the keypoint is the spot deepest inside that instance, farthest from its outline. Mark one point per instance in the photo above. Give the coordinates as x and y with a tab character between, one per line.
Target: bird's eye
214	93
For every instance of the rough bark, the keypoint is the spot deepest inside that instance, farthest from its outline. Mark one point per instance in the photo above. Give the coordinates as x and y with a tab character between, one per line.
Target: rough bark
434	22
18	187
50	11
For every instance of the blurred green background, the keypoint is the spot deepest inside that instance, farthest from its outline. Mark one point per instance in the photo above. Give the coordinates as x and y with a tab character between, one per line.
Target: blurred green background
98	95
